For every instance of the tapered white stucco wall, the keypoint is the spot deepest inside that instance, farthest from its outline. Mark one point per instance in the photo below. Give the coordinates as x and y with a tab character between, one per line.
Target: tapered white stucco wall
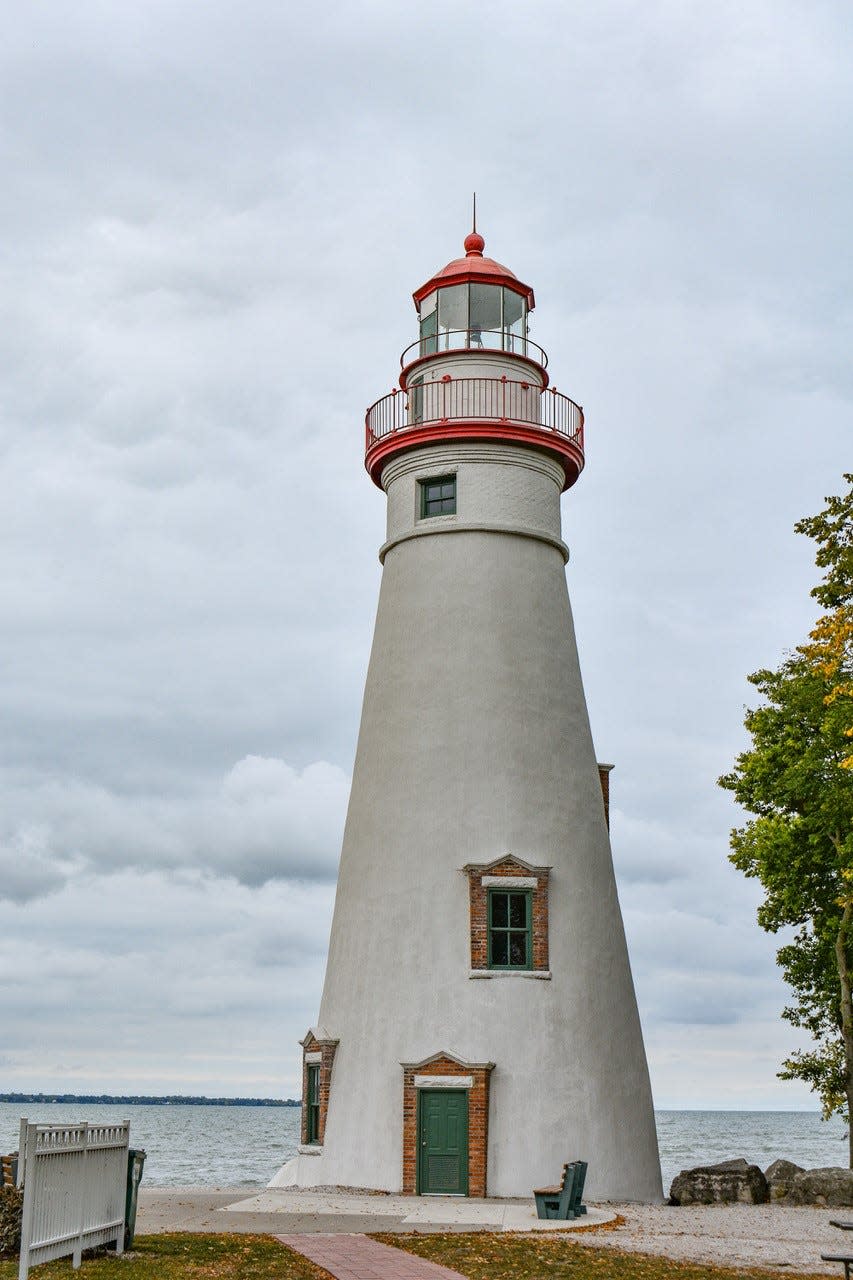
475	743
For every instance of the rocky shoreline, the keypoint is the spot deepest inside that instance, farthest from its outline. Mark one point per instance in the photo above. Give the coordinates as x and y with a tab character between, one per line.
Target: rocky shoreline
783	1183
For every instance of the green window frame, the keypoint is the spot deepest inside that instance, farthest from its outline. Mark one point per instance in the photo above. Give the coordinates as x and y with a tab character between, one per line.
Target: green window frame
510	928
438	497
312	1130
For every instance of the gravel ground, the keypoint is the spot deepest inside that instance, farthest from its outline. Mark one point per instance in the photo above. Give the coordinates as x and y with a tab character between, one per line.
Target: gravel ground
734	1235
772	1236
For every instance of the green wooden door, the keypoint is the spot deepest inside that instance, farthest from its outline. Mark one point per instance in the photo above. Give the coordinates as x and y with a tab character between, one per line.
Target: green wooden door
443	1139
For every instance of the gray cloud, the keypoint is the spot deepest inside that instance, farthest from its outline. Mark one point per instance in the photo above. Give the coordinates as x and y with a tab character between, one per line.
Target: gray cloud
26	869
262	821
160	988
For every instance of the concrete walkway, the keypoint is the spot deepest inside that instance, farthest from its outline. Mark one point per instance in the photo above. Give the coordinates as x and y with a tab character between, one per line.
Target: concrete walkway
286	1210
349	1257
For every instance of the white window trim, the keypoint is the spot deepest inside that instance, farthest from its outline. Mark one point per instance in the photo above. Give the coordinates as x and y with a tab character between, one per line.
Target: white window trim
544	975
313	1058
444	1082
315	1149
509	882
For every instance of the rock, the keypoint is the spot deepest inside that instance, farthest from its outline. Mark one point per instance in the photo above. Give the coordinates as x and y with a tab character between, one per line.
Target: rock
780	1177
831	1188
732	1182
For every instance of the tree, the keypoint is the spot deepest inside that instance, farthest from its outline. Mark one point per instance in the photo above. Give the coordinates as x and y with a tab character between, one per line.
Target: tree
797	781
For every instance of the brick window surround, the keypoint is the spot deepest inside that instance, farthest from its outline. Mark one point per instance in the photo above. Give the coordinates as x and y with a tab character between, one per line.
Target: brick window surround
505	870
476	1076
317	1050
604	772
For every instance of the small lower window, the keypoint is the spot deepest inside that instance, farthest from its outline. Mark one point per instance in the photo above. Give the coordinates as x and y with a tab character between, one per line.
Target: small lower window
509	929
313	1127
438	496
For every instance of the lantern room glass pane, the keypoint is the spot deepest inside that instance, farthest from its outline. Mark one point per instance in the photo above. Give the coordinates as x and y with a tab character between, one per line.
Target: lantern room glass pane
452	315
515	322
485	321
428	338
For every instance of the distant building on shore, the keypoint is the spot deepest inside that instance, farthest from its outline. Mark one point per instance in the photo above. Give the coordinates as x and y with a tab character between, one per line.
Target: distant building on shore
478	1025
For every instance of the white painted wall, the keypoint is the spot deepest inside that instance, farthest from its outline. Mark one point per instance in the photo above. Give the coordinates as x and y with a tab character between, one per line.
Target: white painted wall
479	364
475	742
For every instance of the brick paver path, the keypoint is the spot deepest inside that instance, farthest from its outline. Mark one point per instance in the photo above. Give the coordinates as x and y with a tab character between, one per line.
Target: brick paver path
351	1257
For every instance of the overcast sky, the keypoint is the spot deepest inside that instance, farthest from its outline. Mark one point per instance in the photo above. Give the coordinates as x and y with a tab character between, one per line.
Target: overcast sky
213	217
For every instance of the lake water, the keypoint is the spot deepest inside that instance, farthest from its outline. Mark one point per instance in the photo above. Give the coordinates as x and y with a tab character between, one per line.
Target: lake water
244	1146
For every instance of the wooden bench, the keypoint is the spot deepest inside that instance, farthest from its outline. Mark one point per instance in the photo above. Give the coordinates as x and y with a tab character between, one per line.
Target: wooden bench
564	1200
846	1259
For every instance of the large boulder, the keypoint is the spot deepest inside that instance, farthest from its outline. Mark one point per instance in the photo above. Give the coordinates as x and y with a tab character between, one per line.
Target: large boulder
780	1178
831	1188
732	1182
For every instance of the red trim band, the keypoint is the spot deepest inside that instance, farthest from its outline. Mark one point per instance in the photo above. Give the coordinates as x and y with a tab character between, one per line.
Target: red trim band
568	452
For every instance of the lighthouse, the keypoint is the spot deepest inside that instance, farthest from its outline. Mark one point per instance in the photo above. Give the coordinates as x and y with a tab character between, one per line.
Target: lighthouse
478	1025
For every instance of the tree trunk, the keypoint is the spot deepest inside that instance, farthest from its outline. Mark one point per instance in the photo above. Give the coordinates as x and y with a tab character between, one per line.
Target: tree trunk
842	954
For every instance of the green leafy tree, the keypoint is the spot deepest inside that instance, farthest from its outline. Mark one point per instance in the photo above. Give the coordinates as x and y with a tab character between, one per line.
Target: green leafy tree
796	779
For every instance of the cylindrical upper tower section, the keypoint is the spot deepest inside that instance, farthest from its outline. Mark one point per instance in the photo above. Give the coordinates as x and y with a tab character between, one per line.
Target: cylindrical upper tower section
474	373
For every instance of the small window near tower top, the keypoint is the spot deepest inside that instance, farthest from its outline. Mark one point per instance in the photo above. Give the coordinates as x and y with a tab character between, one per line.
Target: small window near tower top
438	497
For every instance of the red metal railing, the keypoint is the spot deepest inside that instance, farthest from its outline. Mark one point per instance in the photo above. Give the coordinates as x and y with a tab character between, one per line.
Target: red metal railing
475	399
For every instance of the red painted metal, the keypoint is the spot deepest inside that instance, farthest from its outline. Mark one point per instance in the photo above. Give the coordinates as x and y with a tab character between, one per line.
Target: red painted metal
499	409
475	267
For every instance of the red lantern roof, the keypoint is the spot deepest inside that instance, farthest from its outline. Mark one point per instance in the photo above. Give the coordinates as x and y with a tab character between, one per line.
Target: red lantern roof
474	267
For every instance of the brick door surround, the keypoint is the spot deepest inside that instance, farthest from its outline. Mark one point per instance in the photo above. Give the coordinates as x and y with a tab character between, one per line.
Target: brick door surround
444	1070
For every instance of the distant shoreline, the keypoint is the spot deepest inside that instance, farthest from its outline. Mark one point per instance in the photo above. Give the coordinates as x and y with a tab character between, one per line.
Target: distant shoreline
145	1100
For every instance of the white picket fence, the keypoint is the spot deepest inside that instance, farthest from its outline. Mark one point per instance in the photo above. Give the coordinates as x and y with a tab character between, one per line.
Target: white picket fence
74	1178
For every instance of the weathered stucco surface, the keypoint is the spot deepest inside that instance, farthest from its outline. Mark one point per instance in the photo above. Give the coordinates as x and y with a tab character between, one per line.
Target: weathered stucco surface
475	743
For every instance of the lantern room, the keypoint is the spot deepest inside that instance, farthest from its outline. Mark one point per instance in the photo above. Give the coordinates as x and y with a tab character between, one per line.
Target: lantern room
474	304
473	373
473	315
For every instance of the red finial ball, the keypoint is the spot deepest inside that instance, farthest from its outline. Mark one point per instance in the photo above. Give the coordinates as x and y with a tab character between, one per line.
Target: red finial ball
474	244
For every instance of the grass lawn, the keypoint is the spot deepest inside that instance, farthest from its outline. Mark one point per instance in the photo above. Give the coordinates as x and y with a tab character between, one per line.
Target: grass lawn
493	1256
479	1256
184	1257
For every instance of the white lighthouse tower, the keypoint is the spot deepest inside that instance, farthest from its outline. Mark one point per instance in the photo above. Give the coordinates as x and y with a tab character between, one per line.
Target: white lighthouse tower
478	1024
